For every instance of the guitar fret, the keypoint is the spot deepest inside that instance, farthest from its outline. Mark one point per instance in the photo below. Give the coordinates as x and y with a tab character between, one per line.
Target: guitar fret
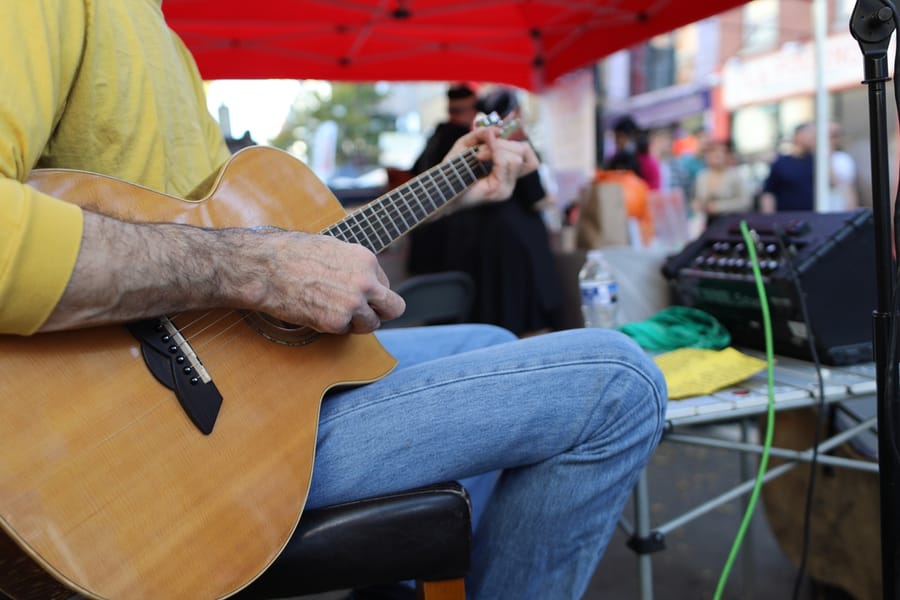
416	214
445	173
404	209
427	195
373	230
443	194
405	222
395	210
387	208
471	172
352	228
347	230
453	189
372	235
449	185
384	227
439	181
420	191
461	180
340	230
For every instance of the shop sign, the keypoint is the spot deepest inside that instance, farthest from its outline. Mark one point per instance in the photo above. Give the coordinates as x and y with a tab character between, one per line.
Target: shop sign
791	72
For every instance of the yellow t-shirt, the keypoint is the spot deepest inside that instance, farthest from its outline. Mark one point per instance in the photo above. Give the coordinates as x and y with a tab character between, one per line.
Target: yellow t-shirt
95	85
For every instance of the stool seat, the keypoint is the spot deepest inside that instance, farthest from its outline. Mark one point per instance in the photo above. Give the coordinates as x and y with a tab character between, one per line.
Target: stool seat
422	534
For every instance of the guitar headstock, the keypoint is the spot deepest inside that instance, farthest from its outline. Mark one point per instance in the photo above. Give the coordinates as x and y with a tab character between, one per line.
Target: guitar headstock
510	129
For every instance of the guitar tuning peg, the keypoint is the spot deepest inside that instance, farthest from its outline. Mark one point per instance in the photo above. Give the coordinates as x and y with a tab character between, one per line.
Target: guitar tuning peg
483	120
510	128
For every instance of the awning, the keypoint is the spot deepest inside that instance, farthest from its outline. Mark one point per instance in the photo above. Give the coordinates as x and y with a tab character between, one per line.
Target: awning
526	43
662	107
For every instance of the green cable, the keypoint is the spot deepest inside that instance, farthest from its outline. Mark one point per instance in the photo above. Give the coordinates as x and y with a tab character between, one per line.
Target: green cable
770	427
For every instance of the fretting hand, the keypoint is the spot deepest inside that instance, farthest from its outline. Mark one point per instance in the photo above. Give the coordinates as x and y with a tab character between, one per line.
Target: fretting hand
510	160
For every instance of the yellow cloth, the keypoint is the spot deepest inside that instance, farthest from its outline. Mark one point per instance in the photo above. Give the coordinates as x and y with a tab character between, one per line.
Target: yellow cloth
698	371
95	85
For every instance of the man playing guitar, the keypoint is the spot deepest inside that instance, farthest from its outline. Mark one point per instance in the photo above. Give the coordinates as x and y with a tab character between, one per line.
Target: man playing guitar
117	489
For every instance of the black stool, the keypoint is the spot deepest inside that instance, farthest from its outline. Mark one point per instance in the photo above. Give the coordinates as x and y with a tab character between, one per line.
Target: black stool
423	535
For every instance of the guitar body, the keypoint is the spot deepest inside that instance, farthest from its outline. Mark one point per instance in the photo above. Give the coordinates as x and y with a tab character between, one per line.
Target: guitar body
105	483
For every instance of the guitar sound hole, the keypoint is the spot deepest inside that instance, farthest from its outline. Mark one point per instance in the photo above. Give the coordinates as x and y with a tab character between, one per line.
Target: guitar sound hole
280	324
280	331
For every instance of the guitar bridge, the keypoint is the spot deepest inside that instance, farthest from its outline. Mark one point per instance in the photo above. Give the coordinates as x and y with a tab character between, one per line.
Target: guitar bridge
174	364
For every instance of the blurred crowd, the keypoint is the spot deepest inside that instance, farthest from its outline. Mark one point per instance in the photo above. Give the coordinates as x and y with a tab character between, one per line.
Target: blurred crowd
703	177
654	189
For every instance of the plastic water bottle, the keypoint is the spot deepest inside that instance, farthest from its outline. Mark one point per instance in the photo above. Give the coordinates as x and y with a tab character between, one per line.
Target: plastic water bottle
599	292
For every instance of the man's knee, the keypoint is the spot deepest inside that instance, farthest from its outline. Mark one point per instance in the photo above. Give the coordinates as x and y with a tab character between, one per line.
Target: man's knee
632	378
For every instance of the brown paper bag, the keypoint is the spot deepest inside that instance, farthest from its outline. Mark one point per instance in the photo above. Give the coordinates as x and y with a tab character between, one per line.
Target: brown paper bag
603	220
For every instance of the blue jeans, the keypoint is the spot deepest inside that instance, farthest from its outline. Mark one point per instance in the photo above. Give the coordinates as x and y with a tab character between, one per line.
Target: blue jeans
570	418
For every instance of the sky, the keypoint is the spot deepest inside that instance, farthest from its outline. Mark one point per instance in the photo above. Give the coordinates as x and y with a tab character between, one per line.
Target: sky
258	106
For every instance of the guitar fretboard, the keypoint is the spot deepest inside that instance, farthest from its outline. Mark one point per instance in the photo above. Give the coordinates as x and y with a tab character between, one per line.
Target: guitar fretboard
389	217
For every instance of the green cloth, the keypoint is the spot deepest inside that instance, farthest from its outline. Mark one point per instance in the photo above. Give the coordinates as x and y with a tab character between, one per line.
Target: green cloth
678	327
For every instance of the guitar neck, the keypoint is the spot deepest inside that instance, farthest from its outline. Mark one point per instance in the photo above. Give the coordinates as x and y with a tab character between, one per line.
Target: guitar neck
386	219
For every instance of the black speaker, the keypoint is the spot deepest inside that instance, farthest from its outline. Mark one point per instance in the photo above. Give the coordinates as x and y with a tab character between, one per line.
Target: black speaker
833	257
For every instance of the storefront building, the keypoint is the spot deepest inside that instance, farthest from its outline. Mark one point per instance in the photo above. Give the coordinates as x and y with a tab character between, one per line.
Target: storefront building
749	75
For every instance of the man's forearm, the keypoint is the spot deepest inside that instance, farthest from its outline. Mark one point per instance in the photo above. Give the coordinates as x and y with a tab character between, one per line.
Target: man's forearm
127	271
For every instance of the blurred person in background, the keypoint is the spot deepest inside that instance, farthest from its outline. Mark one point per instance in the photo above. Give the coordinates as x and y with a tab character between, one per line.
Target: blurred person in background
625	152
790	184
687	159
721	187
842	181
649	164
505	248
429	243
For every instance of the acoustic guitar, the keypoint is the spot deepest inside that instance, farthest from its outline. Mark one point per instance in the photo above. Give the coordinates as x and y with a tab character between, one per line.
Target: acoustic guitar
171	458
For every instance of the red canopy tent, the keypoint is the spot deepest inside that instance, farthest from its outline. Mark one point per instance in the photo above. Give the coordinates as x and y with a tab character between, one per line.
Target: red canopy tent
527	43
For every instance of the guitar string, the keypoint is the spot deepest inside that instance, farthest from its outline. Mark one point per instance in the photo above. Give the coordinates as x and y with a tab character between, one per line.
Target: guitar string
185	329
206	345
187	326
429	186
210	344
192	338
444	188
199	319
445	191
361	230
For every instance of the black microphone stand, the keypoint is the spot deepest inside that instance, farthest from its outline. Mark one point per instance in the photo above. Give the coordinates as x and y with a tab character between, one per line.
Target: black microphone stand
872	24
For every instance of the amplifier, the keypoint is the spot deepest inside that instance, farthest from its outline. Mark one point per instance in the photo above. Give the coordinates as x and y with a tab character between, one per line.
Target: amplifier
833	256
